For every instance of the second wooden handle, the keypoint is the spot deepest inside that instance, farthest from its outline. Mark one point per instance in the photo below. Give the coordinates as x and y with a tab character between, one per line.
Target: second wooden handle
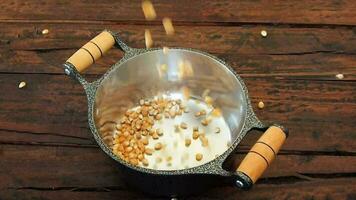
92	51
262	153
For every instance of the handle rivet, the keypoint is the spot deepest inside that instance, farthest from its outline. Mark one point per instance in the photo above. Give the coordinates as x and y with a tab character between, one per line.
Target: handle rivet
66	71
239	184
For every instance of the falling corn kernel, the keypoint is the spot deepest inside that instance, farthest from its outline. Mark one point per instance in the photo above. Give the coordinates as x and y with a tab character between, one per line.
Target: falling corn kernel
205	93
195	128
185	69
216	112
22	84
339	76
264	33
148	38
261	105
199	156
165	50
204	141
168	26
148	10
169	158
186	92
164	68
45	31
208	100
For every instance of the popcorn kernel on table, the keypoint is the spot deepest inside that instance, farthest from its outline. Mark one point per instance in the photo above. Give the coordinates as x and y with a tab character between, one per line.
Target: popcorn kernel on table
339	76
264	33
45	31
22	84
261	105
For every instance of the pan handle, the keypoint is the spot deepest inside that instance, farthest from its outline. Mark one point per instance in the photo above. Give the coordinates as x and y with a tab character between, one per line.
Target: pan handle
91	52
95	49
260	156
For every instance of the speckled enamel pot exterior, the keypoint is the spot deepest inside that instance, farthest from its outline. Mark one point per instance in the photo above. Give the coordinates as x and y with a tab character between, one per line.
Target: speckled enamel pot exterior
212	168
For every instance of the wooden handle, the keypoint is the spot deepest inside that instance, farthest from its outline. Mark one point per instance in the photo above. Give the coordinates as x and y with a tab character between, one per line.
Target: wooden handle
92	51
262	153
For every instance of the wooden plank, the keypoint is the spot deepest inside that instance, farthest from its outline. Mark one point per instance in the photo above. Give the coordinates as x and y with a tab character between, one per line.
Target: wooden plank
57	106
286	12
318	189
308	67
287	52
321	189
46	149
216	39
76	173
54	166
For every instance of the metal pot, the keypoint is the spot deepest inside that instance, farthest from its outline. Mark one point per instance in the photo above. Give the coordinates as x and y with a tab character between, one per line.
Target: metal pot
136	76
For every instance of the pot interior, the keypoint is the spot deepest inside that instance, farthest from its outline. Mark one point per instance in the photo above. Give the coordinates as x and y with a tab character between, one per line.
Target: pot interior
155	73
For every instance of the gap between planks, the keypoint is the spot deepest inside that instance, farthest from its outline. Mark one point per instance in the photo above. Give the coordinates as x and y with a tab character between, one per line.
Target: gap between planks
183	23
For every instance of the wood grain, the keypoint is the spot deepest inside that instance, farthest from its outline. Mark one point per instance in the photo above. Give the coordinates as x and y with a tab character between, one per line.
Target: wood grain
47	151
262	11
75	167
70	171
293	52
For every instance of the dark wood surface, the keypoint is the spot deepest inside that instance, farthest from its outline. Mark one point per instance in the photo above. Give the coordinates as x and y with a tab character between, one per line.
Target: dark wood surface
47	152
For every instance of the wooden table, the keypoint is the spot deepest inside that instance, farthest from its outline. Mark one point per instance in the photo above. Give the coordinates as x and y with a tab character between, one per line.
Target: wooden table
47	151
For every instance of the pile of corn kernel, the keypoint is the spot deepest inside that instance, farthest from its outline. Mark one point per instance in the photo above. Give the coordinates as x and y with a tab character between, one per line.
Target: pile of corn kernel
137	128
